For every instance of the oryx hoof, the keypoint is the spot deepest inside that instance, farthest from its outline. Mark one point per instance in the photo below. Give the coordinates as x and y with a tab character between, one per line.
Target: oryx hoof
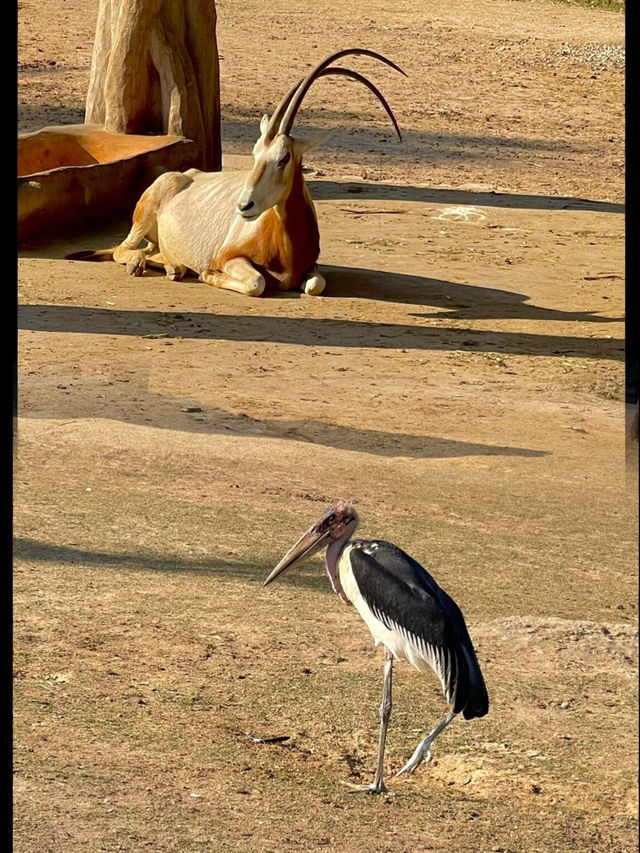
314	284
136	266
175	273
256	287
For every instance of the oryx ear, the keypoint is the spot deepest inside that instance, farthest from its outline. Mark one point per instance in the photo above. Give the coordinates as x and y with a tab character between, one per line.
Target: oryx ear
305	144
264	123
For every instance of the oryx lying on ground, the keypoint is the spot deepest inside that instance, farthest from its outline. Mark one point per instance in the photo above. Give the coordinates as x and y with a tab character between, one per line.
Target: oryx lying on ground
239	230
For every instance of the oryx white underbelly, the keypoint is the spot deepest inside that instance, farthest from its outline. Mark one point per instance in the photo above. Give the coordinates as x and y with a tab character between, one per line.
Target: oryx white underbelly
402	645
195	224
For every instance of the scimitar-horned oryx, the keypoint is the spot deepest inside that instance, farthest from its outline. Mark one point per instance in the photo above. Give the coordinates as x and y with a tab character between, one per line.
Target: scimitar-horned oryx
240	230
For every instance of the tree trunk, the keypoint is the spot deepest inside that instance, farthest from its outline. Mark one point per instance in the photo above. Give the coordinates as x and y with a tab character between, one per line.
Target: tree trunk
155	70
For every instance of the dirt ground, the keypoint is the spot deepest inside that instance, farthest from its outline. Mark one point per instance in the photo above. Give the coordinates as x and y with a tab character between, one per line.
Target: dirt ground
462	381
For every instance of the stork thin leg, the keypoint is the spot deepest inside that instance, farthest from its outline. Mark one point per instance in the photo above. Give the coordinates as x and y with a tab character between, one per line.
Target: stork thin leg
423	751
378	786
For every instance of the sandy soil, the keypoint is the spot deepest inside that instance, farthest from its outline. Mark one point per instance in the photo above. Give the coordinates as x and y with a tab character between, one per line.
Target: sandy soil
462	381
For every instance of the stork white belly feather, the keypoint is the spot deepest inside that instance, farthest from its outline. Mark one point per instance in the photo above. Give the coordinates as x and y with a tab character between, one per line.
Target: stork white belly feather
401	644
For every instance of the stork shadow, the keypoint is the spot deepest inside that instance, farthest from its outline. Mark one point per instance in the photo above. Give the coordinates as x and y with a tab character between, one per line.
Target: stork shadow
183	414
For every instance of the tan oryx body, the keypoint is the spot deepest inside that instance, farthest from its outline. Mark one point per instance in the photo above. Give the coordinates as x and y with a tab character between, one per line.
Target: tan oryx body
238	230
225	249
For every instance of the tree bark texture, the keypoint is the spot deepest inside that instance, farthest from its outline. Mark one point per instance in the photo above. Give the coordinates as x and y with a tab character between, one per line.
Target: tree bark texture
155	70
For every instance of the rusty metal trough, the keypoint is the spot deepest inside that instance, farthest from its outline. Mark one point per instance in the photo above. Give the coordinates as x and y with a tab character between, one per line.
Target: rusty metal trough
75	174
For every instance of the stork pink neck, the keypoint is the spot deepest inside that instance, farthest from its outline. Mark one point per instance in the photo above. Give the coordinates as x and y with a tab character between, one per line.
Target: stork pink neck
331	558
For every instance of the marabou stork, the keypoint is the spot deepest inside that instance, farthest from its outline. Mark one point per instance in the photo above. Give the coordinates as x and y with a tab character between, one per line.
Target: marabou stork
406	611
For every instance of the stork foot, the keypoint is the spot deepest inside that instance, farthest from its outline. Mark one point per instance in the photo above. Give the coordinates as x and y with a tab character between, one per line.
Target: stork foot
422	753
373	788
423	749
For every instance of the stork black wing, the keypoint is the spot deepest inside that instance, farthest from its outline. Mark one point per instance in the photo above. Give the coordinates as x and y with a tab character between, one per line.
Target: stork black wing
404	596
388	581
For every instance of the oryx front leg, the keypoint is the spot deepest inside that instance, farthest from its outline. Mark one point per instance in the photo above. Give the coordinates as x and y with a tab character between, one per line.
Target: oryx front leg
145	222
238	274
313	283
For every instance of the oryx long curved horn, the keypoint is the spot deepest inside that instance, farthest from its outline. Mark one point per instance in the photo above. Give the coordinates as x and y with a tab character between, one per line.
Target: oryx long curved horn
347	72
303	88
278	113
326	72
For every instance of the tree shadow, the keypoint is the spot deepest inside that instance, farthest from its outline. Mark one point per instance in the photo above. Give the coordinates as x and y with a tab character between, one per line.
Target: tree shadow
325	190
33	550
31	68
308	331
354	133
30	116
85	398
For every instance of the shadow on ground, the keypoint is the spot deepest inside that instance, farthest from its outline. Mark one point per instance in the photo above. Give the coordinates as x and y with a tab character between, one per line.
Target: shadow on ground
242	133
461	301
313	331
325	190
35	551
81	398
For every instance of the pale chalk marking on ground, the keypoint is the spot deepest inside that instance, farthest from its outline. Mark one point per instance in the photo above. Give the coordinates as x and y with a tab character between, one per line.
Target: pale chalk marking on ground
462	213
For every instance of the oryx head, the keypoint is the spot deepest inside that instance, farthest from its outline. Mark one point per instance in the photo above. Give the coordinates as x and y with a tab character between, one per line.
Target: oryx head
269	182
277	155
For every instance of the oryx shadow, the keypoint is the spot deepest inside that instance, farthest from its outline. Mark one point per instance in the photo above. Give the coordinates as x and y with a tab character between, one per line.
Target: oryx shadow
460	301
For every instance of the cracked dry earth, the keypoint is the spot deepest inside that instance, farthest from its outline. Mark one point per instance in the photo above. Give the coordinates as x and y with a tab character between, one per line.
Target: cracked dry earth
462	381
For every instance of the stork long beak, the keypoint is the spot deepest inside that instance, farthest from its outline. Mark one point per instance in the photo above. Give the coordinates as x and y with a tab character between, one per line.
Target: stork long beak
310	542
